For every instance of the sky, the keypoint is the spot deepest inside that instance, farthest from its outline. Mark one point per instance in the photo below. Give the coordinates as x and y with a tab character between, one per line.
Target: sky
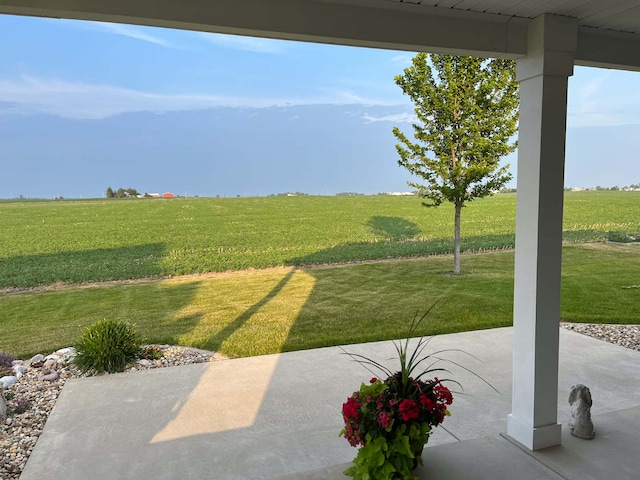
87	105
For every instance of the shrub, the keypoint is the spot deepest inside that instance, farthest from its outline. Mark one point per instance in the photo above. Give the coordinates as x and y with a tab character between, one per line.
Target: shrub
107	346
6	360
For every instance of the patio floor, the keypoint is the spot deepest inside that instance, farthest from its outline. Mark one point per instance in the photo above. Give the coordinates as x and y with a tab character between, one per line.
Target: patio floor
278	417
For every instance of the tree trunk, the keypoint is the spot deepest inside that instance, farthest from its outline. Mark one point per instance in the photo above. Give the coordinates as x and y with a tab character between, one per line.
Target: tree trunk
456	241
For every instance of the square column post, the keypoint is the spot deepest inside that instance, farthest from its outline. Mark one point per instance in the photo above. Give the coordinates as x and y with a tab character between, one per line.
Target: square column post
543	75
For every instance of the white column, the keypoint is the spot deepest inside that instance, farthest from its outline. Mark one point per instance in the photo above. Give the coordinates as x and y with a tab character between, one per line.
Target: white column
543	75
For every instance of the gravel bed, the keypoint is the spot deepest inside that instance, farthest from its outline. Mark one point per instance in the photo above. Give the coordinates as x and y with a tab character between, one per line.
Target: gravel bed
623	335
19	432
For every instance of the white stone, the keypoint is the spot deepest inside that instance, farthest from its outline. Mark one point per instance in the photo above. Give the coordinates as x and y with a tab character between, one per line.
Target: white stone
8	380
19	370
69	351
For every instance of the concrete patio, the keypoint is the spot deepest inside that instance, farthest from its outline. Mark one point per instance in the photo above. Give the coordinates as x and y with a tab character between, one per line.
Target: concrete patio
278	416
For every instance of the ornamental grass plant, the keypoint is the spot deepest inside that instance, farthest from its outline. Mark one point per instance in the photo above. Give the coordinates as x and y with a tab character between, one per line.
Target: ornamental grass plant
107	346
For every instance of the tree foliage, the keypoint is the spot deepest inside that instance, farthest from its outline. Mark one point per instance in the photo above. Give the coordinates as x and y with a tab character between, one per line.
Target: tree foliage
121	193
467	111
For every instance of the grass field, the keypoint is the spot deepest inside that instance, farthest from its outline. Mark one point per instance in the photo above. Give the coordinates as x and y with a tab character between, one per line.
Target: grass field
49	242
256	312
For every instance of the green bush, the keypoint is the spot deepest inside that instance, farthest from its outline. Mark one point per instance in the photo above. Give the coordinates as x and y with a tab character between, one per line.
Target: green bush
107	346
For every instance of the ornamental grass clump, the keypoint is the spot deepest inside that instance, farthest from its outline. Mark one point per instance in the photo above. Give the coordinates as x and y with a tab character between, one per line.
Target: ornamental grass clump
6	360
107	346
390	420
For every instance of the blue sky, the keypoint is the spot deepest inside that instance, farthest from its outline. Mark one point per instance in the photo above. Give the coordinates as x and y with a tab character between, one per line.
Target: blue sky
99	79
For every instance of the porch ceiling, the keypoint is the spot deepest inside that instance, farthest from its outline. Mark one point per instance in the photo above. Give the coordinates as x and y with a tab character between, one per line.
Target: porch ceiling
608	30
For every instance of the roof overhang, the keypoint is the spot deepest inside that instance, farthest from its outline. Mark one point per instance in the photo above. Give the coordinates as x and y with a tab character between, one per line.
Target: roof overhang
372	23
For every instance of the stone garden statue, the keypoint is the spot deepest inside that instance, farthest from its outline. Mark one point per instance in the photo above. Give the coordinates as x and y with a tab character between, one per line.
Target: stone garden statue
580	424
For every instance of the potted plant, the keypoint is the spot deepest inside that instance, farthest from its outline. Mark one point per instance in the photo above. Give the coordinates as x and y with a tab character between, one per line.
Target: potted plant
390	419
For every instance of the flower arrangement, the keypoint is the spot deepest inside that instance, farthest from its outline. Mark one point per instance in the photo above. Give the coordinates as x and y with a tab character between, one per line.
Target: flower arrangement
390	420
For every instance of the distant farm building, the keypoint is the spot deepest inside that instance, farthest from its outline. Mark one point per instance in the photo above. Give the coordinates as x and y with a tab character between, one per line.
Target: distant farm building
168	195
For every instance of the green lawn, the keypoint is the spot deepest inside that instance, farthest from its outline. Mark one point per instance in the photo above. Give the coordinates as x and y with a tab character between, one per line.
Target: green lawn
257	312
49	242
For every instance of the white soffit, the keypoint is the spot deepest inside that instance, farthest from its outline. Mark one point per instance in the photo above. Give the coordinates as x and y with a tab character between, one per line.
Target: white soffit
608	30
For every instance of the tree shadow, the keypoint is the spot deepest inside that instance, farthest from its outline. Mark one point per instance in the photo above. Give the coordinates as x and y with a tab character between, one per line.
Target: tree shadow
219	338
158	311
99	265
393	228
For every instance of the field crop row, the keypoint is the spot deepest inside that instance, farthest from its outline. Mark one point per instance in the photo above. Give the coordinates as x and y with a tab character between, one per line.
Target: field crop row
49	242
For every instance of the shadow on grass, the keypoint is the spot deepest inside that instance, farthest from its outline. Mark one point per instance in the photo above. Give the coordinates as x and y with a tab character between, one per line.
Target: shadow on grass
393	228
219	338
345	304
405	247
99	265
56	318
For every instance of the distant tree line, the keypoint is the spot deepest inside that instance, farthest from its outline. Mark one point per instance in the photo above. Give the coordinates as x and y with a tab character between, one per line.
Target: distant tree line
288	194
121	193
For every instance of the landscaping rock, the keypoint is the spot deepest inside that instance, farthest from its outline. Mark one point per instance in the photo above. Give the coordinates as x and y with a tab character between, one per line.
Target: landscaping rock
19	370
8	380
50	364
36	360
3	406
66	352
50	377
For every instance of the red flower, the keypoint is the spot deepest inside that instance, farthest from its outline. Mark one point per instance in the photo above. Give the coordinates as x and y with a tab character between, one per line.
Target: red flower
443	394
350	409
427	402
409	409
373	380
439	414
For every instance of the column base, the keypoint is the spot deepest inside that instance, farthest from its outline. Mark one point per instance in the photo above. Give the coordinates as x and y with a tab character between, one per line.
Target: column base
534	438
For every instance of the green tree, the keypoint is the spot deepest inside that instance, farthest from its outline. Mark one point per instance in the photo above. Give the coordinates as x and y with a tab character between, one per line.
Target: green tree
467	111
109	193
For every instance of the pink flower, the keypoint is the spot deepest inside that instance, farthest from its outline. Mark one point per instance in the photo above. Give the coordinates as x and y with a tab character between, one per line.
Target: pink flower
383	419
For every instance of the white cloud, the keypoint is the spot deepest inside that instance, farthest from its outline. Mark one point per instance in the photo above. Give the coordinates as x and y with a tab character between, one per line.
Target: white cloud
403	59
395	118
131	31
30	95
249	44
